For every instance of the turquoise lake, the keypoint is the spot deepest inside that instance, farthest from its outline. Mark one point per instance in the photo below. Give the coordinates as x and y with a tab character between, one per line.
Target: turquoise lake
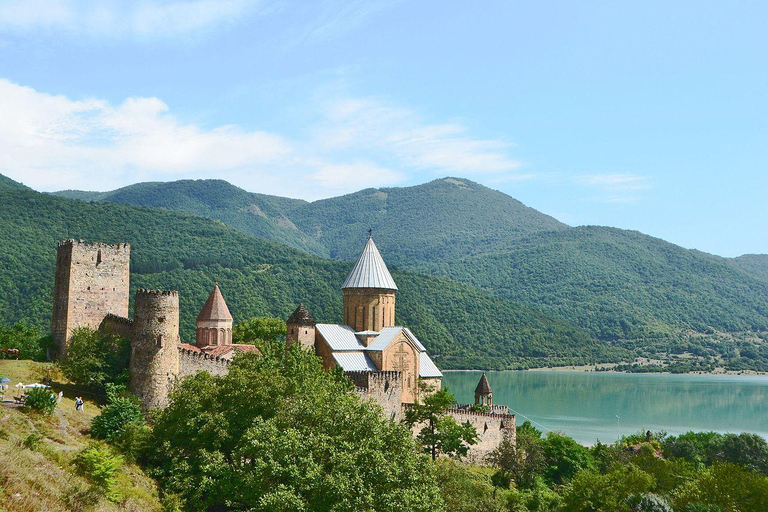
585	405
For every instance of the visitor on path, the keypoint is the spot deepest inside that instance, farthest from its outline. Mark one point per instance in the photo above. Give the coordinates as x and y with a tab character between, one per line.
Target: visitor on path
79	404
61	395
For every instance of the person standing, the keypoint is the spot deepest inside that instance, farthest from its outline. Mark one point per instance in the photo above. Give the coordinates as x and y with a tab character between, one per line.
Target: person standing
79	404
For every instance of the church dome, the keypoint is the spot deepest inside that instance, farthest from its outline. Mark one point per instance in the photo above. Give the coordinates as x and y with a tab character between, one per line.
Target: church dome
370	271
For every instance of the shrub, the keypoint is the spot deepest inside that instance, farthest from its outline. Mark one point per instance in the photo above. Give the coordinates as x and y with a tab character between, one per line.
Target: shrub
95	359
122	410
100	466
39	399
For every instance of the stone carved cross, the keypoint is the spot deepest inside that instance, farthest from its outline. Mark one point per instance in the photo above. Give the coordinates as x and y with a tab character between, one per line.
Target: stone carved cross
401	359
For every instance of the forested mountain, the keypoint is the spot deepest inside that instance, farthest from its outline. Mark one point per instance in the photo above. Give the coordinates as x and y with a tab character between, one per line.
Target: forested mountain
461	326
260	215
616	284
621	285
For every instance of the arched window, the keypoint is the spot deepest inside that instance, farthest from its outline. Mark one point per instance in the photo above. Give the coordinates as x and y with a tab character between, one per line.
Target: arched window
214	338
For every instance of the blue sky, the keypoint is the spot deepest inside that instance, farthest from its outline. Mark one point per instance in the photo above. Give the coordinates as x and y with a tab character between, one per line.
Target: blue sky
641	115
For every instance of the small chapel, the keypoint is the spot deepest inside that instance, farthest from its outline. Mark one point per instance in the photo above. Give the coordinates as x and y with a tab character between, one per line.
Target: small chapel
369	340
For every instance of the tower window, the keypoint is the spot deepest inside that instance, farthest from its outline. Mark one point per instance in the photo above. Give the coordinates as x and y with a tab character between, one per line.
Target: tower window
98	258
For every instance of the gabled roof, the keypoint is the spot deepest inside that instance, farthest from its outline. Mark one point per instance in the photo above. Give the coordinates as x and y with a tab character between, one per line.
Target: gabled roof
215	307
340	337
385	337
370	271
483	387
354	362
301	316
427	368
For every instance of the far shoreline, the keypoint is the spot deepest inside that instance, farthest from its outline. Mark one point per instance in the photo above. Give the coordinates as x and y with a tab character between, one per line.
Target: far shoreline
608	368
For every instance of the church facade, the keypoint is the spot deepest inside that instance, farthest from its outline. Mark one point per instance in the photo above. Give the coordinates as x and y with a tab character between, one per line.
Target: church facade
369	340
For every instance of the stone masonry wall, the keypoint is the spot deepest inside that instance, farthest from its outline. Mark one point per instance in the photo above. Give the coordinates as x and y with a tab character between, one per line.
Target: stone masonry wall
383	388
91	281
369	309
154	362
113	324
491	429
191	362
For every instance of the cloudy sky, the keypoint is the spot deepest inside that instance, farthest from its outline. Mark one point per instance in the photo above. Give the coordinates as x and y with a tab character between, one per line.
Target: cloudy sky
642	115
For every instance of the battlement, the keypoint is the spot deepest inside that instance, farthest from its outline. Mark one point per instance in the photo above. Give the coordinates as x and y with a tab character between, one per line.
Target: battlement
468	412
98	245
143	291
366	380
192	361
118	319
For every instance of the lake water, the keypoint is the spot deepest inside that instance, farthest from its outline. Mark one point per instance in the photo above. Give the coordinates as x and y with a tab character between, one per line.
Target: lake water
585	405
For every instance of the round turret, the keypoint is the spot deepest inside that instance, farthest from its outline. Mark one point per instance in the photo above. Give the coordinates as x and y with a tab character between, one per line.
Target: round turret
154	362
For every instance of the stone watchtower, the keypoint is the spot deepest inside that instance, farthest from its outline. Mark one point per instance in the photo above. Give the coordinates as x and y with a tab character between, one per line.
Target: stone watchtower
214	323
91	281
483	393
154	362
300	328
369	292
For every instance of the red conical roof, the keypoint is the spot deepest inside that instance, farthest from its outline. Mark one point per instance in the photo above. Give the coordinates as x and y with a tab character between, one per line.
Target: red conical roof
483	387
215	307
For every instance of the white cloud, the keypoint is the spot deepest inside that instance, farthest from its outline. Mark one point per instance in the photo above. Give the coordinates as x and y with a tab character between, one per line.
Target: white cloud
616	188
53	142
117	19
400	134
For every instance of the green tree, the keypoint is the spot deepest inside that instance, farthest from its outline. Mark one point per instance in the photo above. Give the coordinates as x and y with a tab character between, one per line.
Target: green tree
95	359
727	486
29	340
440	433
256	329
522	461
39	399
590	491
565	457
120	421
467	488
278	432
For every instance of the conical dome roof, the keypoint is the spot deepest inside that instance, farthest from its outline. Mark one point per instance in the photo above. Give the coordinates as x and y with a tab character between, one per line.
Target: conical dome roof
483	387
301	316
215	307
370	270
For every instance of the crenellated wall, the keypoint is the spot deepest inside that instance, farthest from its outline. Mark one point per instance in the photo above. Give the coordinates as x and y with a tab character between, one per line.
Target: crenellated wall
113	324
491	429
191	362
383	388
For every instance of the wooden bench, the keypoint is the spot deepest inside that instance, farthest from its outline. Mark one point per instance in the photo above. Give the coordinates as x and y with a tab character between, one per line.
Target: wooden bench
19	399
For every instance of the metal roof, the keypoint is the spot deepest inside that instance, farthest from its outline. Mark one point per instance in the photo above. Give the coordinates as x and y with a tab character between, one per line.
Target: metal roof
385	337
370	271
354	362
339	337
427	368
415	340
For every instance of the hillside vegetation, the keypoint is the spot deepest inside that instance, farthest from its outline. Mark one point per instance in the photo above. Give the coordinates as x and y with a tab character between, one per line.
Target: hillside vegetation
461	326
620	286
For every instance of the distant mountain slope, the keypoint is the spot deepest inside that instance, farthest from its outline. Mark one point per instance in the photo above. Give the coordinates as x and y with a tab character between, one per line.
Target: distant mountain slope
442	220
755	264
620	284
259	215
461	326
8	183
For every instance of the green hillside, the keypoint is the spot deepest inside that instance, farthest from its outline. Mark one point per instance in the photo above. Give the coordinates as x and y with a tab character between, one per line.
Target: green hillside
755	264
8	183
259	215
439	221
463	327
621	284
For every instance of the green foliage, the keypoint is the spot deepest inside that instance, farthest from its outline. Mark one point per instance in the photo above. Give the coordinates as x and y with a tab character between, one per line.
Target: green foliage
440	435
727	486
609	492
95	359
748	450
467	489
28	339
39	400
523	461
33	440
565	457
278	432
100	466
257	329
120	420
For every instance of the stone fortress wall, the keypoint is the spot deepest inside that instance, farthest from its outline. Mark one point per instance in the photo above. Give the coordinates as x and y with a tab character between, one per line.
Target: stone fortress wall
191	362
92	290
91	281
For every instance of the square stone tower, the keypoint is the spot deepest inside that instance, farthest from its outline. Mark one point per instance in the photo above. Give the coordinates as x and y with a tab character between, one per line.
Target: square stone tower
91	280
